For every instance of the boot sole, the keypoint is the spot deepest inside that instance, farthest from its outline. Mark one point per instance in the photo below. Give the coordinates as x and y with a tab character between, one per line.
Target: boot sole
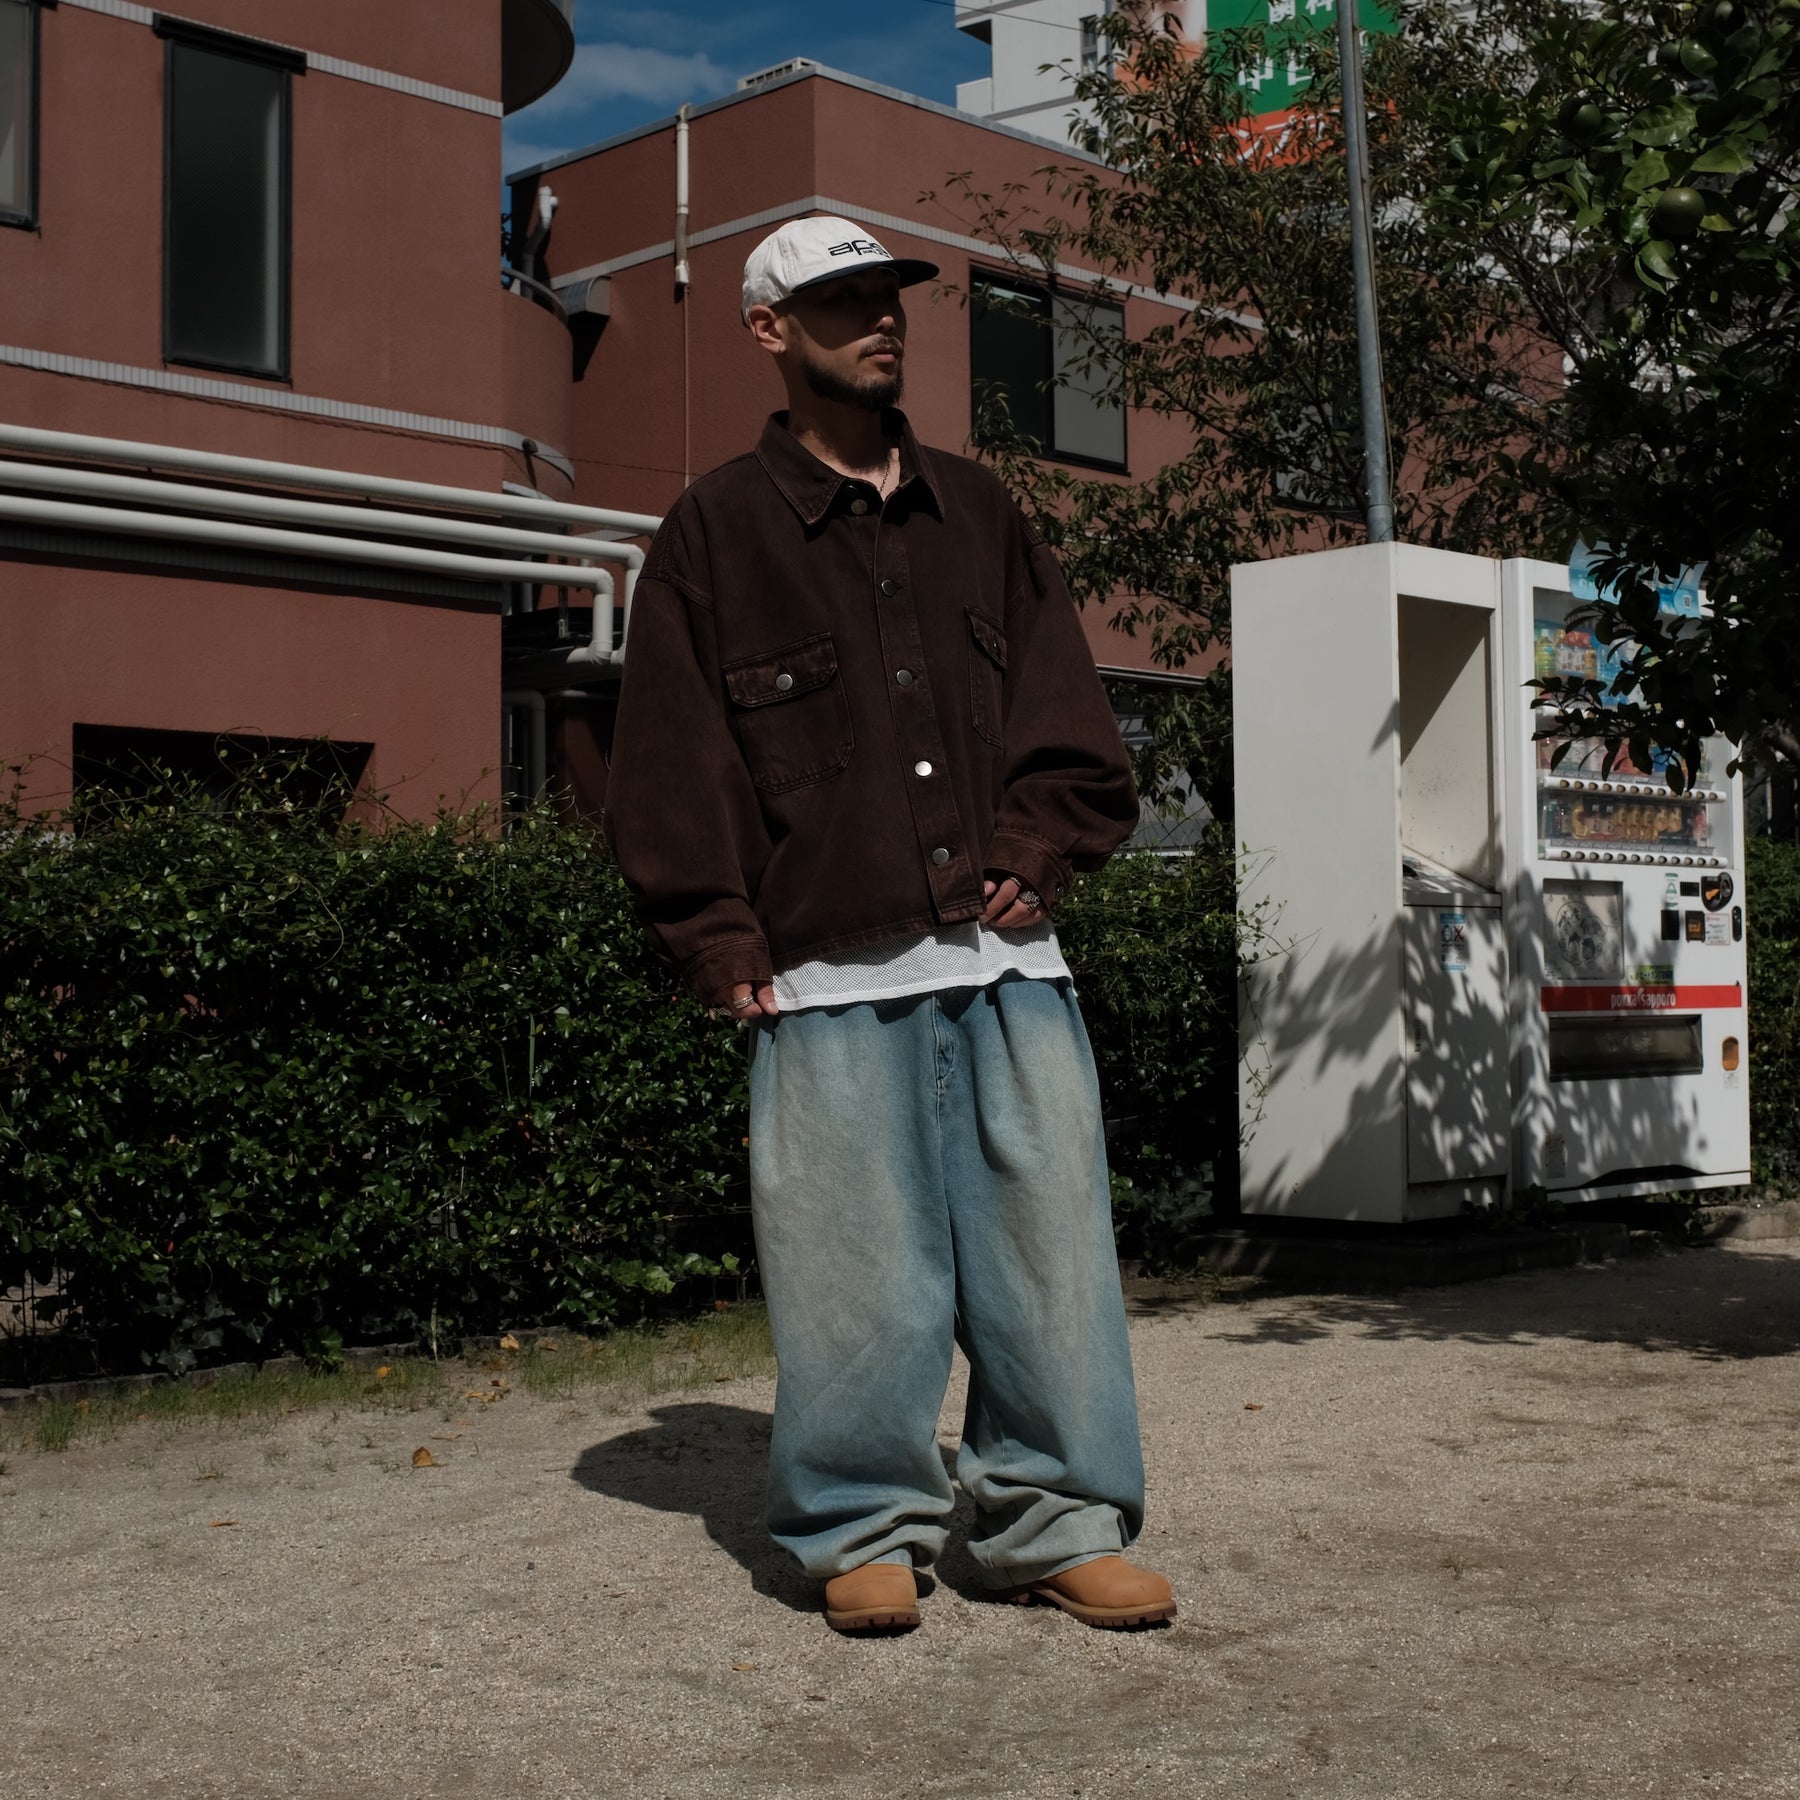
874	1618
1104	1618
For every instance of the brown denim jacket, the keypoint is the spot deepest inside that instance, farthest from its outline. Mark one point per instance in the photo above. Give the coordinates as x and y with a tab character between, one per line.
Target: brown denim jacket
838	713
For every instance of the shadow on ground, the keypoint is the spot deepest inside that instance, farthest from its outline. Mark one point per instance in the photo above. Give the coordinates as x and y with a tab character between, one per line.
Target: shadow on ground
1718	1305
712	1462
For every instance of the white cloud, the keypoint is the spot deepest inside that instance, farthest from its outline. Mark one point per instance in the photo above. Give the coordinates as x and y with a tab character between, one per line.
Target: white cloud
630	72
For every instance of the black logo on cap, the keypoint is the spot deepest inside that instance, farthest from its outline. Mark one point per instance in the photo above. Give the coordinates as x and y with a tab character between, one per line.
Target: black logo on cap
857	247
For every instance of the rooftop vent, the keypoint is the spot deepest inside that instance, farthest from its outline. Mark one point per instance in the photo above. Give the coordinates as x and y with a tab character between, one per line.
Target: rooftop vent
795	65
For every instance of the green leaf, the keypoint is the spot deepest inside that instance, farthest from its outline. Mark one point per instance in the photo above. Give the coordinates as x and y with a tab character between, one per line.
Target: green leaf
1731	157
1658	258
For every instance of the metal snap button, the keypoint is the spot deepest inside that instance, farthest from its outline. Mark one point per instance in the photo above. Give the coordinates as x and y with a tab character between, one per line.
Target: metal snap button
890	586
859	506
940	856
904	677
783	682
921	768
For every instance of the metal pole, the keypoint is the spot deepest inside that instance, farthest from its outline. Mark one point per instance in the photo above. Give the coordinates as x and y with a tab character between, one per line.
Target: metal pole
1362	263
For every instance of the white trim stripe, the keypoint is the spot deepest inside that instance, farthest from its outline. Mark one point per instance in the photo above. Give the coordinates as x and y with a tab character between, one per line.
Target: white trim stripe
794	209
326	65
253	566
235	393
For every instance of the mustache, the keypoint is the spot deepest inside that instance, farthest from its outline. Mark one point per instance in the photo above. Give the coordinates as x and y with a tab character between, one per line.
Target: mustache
886	347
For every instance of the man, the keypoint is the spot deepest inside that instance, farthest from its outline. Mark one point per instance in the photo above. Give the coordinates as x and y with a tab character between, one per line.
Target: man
861	750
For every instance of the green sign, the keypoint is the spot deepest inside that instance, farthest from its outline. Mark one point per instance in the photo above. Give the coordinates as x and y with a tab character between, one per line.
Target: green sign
1276	80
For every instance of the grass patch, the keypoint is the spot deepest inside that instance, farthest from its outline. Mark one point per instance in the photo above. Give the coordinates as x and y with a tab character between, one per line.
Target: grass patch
721	1346
622	1368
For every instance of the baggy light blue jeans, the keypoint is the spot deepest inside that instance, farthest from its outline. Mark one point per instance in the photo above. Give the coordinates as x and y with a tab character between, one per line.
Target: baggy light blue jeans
925	1170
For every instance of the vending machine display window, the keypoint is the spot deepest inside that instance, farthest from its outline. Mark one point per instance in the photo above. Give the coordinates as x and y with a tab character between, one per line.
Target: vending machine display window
1587	812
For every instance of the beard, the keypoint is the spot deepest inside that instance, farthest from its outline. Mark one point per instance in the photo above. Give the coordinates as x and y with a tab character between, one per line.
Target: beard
874	391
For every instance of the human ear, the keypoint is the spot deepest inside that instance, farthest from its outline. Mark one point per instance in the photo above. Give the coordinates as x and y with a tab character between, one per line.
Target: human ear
765	329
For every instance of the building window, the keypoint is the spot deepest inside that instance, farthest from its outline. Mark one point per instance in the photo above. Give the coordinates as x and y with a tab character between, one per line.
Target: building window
18	111
1032	353
225	205
1094	52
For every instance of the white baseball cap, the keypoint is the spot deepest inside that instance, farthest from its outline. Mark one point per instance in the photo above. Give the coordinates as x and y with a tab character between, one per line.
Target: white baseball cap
804	252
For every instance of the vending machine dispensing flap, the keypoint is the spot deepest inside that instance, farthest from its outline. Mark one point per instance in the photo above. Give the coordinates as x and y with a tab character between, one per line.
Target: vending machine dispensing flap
1428	883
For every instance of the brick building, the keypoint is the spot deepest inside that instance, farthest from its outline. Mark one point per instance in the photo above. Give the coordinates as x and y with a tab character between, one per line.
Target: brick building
270	425
287	453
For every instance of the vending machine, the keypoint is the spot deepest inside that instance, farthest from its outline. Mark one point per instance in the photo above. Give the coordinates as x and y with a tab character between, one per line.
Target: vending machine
1625	937
1374	1049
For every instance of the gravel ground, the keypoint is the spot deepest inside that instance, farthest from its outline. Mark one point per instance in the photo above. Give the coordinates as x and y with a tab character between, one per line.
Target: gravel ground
1532	1537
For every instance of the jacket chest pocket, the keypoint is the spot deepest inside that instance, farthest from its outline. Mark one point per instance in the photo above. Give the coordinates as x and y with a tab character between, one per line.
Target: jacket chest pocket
987	676
793	718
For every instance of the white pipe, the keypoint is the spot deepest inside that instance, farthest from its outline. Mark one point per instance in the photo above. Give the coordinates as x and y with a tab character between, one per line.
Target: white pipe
69	516
79	447
681	197
547	203
97	484
598	648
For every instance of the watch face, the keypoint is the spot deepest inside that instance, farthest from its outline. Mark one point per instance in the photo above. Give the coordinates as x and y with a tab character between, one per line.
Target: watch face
1716	891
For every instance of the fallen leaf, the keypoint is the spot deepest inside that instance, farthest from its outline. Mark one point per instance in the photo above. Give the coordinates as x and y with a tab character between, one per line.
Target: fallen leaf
743	1668
483	1395
509	1342
497	1382
423	1459
721	1306
383	1372
142	1417
1252	1406
218	1522
82	1406
548	1344
721	1378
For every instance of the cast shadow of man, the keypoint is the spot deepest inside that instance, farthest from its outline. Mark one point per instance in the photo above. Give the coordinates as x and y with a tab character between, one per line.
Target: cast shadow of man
713	1461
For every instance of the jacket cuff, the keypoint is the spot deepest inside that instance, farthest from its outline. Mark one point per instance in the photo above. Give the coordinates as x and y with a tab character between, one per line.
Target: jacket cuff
715	972
1038	864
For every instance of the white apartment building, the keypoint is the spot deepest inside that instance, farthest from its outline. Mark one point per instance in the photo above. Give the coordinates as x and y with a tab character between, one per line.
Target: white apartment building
1037	47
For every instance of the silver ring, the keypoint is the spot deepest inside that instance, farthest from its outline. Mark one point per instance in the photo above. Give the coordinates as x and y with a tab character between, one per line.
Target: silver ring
1032	898
743	1005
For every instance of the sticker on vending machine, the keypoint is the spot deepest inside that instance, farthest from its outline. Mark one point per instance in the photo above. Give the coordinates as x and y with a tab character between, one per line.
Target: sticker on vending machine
1453	942
1718	928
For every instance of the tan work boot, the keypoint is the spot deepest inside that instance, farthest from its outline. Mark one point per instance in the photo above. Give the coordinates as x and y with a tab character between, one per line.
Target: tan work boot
876	1597
1108	1592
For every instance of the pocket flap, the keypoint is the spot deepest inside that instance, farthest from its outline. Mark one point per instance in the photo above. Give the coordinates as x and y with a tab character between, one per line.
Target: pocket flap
783	674
989	636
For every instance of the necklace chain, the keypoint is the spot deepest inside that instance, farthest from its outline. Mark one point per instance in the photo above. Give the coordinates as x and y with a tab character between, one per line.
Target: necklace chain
890	469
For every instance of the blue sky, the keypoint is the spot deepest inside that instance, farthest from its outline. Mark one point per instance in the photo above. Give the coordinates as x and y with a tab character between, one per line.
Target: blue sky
634	64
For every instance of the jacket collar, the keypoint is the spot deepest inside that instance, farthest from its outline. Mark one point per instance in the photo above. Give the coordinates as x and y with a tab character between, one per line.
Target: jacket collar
811	487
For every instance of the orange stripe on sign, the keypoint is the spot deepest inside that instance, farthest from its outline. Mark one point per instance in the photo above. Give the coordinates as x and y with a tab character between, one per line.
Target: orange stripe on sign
1638	999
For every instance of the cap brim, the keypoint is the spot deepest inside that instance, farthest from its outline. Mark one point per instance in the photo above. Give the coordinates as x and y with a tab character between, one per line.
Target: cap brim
909	271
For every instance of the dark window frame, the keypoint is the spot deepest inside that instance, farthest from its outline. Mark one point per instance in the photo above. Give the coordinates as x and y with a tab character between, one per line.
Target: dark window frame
1048	293
28	219
179	32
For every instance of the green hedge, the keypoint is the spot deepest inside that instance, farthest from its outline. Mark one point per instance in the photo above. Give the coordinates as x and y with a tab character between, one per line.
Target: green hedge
266	1083
269	1083
1772	920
